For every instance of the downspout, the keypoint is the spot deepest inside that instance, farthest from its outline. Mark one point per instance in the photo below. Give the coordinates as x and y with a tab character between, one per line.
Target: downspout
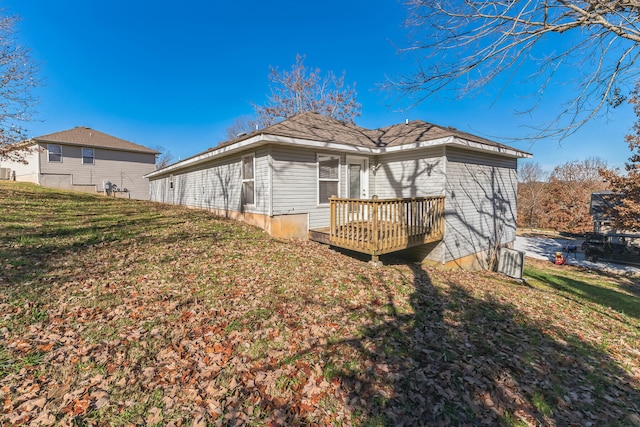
446	199
38	163
374	175
270	180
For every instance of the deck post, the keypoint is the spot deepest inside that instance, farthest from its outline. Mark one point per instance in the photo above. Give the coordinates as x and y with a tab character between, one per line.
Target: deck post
375	231
387	225
332	215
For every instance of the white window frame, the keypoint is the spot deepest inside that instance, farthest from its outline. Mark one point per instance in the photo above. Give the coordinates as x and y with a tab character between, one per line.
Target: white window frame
319	157
247	180
93	156
364	176
49	146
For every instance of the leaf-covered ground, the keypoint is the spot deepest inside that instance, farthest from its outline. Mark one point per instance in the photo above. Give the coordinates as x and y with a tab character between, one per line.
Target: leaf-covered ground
116	312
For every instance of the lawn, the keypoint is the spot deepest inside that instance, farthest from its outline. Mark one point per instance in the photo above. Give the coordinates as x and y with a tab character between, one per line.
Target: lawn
119	312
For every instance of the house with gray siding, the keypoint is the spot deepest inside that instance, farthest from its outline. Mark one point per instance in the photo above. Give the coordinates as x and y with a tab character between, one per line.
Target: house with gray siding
83	159
310	175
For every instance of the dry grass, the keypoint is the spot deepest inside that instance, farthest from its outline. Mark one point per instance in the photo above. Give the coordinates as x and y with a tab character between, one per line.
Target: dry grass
115	312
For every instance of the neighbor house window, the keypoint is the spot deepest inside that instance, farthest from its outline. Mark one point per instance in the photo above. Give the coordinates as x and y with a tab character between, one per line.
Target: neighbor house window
328	177
88	156
248	181
55	152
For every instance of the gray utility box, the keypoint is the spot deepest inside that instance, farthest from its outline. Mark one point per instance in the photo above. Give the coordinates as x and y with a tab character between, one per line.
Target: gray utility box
511	263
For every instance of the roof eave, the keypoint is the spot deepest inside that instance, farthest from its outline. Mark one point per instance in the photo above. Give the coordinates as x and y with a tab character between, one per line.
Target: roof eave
263	138
78	144
459	142
495	149
208	155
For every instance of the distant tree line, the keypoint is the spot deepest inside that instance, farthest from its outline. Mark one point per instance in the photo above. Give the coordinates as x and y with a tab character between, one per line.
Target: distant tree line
559	200
625	212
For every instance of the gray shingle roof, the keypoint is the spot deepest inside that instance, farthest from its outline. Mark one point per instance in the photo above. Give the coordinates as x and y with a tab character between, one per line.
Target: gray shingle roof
316	127
92	138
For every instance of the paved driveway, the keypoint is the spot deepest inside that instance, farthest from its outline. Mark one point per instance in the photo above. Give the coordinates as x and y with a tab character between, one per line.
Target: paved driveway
545	248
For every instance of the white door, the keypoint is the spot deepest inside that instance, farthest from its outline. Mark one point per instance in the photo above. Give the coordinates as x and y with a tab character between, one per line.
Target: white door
357	178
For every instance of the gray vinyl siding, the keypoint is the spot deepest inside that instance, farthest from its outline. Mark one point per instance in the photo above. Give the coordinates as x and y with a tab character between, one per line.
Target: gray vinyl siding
295	184
216	185
123	168
409	174
480	205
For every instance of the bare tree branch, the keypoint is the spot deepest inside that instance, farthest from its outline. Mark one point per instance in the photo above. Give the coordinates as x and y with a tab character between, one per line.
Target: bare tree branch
305	89
164	159
624	208
240	126
17	79
463	45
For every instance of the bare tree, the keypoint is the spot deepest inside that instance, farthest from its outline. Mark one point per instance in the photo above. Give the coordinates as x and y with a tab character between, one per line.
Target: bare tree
531	194
241	125
164	159
304	89
17	79
466	44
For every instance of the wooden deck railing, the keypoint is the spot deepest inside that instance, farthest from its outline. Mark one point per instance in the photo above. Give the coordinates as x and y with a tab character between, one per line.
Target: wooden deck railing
379	226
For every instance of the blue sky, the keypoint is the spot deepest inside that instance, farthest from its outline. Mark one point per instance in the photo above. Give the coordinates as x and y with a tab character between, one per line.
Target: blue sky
177	74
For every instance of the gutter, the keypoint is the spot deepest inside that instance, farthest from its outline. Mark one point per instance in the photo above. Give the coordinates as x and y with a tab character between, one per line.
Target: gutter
103	147
262	138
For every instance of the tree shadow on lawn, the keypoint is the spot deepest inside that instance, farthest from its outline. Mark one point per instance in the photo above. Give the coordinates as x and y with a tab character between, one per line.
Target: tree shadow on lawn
461	360
603	296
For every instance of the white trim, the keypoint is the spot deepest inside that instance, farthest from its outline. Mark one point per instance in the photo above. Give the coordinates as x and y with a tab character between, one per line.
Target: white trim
93	157
201	158
49	153
38	152
262	139
332	156
243	179
364	174
445	162
456	141
270	180
105	147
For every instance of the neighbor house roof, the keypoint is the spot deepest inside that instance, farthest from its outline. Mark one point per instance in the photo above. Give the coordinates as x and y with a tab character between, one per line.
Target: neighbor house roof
88	137
318	131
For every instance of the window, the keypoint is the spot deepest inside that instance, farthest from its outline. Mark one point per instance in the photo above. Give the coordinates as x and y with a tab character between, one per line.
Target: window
88	156
328	177
55	152
248	181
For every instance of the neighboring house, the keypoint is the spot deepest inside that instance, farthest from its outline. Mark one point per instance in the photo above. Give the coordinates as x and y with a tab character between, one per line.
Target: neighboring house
601	203
450	189
86	160
607	242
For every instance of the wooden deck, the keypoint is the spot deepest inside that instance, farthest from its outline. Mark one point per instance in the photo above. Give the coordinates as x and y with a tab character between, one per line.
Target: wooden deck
380	226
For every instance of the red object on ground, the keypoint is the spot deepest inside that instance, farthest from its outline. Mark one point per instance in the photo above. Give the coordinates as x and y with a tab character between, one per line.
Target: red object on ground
560	259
